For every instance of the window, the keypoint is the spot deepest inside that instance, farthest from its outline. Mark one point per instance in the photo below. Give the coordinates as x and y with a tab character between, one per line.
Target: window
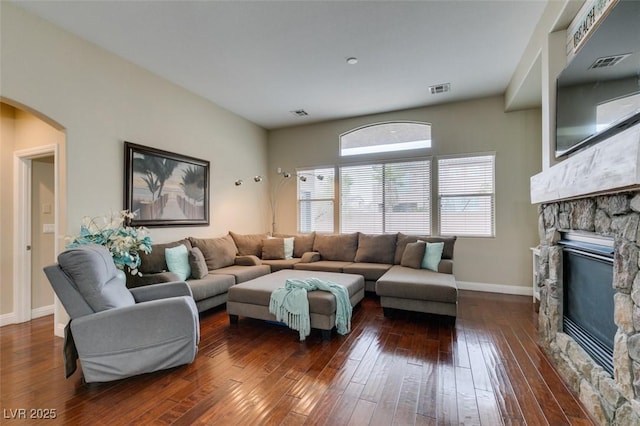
466	195
385	137
386	197
315	199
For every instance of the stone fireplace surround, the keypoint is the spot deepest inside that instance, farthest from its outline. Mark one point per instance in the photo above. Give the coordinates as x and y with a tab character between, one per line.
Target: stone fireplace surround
610	400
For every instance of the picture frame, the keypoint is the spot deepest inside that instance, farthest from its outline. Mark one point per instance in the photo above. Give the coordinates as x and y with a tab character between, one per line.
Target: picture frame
163	188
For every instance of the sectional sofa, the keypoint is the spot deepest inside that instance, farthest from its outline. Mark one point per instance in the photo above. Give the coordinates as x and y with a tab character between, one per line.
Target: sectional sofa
392	265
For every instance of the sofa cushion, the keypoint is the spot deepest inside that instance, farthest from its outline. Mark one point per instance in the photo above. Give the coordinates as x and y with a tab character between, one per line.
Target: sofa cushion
413	255
155	261
323	265
243	273
302	243
376	248
248	244
218	252
178	261
279	264
403	240
339	247
420	284
370	271
210	285
197	263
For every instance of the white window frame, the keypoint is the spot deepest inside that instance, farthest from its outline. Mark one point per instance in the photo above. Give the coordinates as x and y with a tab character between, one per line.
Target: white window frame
389	149
492	194
429	213
309	172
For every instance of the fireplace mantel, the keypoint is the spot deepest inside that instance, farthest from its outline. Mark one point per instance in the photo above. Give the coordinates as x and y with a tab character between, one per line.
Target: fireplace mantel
607	167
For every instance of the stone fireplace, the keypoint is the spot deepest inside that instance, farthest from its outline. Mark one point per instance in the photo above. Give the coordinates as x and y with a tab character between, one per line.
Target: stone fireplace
595	192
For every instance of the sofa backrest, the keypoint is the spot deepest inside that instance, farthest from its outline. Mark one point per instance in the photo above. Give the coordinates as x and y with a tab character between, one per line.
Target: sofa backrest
248	244
376	248
338	247
218	252
155	261
404	239
302	243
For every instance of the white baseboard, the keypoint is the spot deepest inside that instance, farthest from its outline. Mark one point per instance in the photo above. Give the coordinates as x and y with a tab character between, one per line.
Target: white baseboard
6	319
10	318
42	311
59	330
495	288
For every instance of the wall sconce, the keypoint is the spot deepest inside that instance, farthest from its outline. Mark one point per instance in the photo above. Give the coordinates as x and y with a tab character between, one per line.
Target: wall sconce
257	178
303	177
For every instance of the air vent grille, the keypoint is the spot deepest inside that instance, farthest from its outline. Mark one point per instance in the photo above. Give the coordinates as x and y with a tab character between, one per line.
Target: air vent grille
608	61
440	88
299	113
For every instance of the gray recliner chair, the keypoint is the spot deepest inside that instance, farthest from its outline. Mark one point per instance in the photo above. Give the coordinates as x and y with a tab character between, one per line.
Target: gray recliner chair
120	332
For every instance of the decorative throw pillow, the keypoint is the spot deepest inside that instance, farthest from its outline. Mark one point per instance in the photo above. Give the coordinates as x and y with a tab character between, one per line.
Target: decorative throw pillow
413	255
178	261
432	256
272	248
277	248
197	263
288	247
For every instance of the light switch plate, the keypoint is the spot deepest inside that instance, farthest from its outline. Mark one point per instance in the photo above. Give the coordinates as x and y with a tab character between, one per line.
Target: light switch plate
48	228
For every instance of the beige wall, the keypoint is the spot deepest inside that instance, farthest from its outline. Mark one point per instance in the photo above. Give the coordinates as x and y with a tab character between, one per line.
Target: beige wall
101	101
7	136
464	127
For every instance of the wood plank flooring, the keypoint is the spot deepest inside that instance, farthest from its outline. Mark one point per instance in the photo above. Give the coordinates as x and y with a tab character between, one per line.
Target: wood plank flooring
486	369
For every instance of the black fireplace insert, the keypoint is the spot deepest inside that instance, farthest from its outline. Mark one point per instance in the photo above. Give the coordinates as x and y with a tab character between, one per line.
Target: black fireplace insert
588	302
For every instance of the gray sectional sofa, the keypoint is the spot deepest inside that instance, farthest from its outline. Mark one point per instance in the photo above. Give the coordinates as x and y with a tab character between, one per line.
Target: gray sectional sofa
389	263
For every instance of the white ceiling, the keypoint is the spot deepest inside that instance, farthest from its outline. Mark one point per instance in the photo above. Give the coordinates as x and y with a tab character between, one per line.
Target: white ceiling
263	59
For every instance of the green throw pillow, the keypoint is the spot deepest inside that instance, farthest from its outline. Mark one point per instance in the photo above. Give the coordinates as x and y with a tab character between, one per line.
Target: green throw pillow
178	261
432	256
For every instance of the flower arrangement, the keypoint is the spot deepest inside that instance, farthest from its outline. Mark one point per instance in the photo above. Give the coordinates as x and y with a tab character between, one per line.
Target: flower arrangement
123	242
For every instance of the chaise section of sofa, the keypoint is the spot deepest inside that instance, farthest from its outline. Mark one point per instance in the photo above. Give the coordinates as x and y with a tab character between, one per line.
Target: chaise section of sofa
409	286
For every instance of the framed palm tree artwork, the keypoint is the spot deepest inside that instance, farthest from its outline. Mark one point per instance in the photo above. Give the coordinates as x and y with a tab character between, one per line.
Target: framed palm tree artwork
162	188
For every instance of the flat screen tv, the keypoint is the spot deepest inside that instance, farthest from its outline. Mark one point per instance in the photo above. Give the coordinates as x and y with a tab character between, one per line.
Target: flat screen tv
599	91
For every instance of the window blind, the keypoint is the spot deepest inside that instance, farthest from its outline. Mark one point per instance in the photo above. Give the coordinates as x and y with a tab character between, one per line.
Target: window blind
466	195
386	197
316	200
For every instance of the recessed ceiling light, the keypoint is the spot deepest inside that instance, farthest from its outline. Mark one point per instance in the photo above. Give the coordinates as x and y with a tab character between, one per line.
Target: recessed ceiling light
352	60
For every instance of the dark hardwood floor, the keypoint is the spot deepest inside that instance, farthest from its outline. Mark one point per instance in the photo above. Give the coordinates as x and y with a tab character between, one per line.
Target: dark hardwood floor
485	369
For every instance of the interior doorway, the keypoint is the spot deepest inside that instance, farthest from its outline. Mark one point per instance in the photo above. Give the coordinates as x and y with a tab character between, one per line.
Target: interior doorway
36	209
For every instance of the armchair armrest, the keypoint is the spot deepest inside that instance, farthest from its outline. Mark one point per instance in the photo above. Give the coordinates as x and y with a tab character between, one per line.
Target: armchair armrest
134	327
161	291
310	256
248	260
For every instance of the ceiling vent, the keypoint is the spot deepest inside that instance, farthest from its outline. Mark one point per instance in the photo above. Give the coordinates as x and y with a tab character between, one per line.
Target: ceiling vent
299	113
440	88
608	61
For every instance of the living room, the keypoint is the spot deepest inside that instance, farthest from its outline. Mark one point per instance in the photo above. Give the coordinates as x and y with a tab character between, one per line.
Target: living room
98	100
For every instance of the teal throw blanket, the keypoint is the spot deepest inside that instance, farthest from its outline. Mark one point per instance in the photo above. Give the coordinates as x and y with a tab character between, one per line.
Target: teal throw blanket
290	304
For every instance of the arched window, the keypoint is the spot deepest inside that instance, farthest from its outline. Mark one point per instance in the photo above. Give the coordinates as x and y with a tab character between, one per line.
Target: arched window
385	137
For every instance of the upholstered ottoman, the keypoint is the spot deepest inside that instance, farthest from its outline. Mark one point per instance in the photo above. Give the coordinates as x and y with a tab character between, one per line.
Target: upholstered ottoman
251	298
